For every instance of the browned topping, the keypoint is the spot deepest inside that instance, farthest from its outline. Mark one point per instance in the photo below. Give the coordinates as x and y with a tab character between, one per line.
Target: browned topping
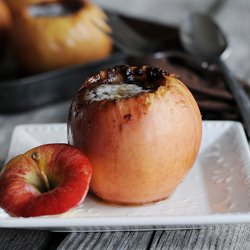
149	78
126	81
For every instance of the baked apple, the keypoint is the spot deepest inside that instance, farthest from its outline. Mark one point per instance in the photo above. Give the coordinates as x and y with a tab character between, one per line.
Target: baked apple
5	23
49	179
5	17
55	35
141	129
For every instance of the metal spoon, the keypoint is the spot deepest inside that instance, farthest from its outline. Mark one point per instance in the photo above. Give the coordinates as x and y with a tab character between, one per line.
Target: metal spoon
202	37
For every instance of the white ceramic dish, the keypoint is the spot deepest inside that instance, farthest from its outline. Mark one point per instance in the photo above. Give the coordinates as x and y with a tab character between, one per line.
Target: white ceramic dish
217	190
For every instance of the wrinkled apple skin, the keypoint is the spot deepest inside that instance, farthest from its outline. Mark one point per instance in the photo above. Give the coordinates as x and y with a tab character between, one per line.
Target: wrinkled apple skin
22	189
140	147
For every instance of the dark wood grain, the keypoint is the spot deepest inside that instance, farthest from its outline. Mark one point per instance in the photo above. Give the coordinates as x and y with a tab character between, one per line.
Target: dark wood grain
208	237
23	239
12	239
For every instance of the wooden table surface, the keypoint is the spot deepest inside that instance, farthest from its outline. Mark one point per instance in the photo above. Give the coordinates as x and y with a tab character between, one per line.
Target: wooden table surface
216	237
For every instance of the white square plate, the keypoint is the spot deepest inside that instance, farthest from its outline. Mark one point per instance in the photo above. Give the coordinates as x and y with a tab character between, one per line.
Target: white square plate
217	189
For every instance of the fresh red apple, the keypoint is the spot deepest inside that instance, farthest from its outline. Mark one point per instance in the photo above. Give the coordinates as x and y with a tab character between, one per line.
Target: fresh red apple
141	129
49	179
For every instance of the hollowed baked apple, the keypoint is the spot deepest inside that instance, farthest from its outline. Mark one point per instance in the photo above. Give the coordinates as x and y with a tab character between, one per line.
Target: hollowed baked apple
141	129
55	35
5	23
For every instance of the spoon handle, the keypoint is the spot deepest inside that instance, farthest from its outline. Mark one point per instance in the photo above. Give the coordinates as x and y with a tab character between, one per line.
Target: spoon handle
241	97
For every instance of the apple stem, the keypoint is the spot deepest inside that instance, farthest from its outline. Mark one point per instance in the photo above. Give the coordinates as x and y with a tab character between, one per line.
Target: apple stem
36	158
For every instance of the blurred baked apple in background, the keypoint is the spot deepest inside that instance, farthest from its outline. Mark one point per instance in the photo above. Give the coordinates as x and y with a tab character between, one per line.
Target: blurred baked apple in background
48	36
5	23
5	17
16	4
141	129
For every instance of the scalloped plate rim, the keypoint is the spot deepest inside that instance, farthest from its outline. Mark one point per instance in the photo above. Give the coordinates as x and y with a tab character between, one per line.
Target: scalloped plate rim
98	222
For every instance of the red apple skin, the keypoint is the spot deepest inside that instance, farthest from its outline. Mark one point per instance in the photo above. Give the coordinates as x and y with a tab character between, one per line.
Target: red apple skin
140	147
22	191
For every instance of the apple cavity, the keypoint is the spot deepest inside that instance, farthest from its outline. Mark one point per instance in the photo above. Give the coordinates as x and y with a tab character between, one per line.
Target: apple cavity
46	180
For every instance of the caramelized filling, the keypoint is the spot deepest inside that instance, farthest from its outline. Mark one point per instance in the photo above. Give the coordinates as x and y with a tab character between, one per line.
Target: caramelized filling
113	92
122	82
55	9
